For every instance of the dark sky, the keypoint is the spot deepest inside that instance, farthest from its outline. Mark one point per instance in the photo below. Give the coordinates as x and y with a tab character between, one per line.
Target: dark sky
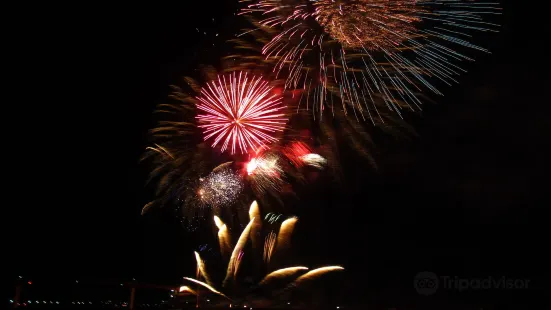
466	197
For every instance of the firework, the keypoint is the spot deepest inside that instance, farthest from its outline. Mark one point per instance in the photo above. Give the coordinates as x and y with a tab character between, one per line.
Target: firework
220	188
240	112
295	151
201	268
254	216
210	288
314	160
281	273
269	244
316	273
272	218
369	55
185	288
285	233
271	280
264	173
237	252
182	163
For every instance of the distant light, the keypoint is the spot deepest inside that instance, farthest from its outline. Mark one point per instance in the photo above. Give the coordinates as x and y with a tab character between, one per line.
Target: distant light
208	300
51	302
73	302
44	301
11	301
30	282
30	301
338	307
133	279
20	277
171	296
57	302
121	284
288	303
76	281
90	302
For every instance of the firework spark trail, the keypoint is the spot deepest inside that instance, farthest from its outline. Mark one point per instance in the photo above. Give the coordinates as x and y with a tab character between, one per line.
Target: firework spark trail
316	273
148	206
223	236
314	160
269	244
218	222
240	112
285	234
201	268
234	259
282	273
295	152
224	241
264	173
237	263
254	215
210	288
161	150
272	218
185	288
408	38
220	187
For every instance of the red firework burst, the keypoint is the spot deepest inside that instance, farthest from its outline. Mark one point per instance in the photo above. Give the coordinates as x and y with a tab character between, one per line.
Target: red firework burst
241	111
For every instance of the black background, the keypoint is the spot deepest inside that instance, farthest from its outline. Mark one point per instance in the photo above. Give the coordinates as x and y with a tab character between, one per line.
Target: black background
465	198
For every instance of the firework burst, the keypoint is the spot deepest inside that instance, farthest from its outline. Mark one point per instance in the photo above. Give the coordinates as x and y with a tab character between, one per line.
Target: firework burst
220	188
240	112
271	281
370	54
265	173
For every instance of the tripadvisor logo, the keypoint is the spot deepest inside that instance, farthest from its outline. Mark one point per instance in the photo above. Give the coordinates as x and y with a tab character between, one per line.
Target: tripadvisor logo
427	283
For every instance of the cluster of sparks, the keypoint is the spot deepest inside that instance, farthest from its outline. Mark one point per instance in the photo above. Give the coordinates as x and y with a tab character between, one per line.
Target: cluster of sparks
240	112
370	52
273	243
220	188
264	173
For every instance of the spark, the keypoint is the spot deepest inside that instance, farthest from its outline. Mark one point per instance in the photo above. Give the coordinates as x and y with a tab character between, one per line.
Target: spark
218	222
210	288
295	153
379	53
316	273
269	244
185	288
201	268
254	215
240	112
234	259
314	160
224	240
264	173
220	187
285	233
161	150
148	206
281	273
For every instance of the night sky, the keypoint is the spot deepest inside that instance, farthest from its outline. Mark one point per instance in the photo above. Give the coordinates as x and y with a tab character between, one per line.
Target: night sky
465	197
